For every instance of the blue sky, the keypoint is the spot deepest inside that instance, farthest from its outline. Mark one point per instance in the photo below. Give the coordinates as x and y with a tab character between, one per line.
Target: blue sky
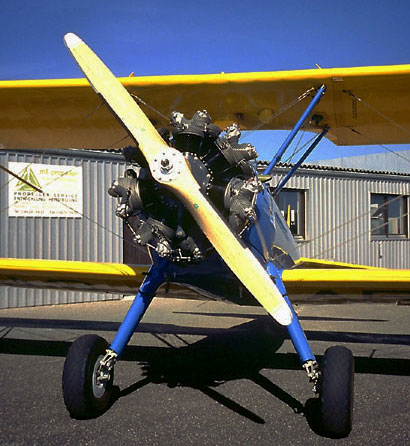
188	37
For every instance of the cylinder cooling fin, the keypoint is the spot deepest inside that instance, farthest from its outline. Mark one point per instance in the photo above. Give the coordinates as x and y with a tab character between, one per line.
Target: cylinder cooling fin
222	167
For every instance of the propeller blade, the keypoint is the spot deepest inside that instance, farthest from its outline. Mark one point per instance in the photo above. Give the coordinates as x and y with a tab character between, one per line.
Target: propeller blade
115	95
169	167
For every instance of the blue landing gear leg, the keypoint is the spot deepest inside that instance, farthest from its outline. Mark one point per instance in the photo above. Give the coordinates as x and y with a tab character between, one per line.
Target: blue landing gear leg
155	278
333	383
296	333
89	366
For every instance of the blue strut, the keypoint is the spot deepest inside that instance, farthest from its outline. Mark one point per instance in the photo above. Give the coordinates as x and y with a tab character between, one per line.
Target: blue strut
289	175
155	278
295	130
295	330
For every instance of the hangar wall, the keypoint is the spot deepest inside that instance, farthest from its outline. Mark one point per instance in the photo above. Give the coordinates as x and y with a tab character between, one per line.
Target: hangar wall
336	219
338	215
94	236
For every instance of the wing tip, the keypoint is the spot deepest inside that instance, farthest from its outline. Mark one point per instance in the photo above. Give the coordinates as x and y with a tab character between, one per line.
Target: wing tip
72	40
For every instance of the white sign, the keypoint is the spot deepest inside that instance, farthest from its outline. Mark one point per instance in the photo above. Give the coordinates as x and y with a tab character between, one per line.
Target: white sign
61	186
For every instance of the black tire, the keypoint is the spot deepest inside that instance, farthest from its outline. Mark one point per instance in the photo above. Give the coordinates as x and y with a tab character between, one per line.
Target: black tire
336	392
82	397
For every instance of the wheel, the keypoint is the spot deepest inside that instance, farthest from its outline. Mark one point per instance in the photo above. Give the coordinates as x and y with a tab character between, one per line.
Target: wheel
336	391
83	396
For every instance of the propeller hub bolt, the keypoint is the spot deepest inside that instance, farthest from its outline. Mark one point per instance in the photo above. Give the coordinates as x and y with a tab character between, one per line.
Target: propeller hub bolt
166	165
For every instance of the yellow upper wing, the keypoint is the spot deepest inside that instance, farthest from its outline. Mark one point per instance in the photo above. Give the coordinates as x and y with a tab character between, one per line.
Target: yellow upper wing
66	113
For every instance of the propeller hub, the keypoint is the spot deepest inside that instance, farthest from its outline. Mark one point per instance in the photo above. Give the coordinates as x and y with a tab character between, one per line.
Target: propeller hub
167	166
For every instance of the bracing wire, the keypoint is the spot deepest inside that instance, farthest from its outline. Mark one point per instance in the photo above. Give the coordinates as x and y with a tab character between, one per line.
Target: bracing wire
60	138
296	149
388	149
365	214
378	112
262	123
280	111
363	234
138	99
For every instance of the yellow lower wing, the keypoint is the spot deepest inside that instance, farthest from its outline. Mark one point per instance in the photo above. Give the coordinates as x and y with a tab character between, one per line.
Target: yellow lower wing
345	283
169	168
72	275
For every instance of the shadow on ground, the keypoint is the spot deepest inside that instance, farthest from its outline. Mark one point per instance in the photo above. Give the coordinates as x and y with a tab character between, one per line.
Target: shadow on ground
238	353
222	355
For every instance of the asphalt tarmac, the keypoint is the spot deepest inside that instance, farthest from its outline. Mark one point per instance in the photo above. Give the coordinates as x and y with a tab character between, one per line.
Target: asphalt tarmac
204	373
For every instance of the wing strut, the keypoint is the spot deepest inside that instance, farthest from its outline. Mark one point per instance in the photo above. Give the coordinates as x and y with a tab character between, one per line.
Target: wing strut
295	129
301	160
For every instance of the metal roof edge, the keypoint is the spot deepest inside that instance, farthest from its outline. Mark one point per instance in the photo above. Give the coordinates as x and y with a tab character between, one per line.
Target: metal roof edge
335	169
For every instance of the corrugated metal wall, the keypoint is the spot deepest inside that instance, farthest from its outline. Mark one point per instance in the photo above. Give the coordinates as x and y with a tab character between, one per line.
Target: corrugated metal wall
337	216
97	236
337	221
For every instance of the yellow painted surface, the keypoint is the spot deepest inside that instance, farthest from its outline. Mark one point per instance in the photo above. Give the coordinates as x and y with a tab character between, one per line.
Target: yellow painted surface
85	276
113	93
119	278
319	276
304	262
65	113
346	280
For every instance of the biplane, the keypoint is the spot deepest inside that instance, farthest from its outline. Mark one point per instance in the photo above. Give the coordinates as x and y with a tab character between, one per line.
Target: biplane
194	197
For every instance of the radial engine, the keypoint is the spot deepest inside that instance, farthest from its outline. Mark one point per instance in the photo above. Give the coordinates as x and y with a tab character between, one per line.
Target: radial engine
224	171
